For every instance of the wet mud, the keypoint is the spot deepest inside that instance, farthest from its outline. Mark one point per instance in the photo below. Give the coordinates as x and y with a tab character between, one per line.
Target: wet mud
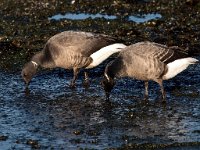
50	115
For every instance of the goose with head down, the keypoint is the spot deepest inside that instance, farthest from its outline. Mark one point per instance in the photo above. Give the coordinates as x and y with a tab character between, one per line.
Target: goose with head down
147	61
72	50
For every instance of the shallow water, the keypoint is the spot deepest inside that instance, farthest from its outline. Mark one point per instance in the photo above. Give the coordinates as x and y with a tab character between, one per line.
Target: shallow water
54	116
82	16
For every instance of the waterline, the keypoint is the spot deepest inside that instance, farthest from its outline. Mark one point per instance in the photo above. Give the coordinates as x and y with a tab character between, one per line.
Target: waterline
82	16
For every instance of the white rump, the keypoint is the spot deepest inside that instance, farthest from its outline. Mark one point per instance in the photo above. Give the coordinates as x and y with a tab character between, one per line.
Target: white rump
178	66
102	54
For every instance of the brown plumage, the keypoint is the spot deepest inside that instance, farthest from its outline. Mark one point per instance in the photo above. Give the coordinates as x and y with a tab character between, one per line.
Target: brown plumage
147	61
69	50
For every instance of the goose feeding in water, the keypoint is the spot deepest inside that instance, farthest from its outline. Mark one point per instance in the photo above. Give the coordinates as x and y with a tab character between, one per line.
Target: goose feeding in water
146	61
72	50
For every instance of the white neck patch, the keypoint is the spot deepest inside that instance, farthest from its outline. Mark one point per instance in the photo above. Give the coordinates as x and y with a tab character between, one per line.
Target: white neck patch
105	74
102	54
34	64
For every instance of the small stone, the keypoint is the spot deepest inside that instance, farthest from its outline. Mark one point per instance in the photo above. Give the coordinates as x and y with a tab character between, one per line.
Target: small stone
77	132
3	138
33	143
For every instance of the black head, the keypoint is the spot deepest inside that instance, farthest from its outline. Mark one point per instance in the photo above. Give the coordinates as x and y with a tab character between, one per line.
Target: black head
28	72
108	84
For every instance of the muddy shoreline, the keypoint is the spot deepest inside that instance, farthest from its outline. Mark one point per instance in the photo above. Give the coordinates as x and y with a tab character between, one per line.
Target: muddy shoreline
27	27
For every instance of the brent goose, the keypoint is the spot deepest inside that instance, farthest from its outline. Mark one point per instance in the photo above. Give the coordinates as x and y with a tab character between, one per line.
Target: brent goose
72	50
146	61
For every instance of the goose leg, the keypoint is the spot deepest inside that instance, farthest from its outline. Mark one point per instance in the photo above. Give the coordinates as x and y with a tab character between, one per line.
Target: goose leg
76	71
160	82
86	82
146	95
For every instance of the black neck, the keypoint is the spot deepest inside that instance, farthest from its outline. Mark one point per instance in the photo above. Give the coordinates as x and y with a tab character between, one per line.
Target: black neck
116	69
37	58
43	60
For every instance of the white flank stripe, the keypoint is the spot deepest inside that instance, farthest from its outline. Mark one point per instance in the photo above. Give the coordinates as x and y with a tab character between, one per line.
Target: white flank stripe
102	54
178	66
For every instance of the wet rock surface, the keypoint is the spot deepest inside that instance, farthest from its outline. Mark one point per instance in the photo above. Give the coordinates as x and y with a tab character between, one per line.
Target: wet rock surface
52	116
